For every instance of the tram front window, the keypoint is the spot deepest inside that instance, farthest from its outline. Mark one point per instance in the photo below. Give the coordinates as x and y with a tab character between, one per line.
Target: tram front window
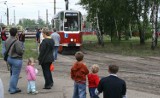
71	22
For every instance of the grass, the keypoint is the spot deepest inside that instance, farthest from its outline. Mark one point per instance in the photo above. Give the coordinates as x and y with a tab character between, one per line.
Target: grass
130	47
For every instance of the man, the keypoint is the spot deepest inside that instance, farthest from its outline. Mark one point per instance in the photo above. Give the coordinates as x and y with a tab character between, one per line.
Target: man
38	39
112	86
56	37
4	38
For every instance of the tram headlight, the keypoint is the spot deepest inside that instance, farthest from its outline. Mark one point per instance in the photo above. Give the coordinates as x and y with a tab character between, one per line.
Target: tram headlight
71	39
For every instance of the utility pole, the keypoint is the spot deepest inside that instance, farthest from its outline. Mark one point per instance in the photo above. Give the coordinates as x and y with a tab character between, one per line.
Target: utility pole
7	16
1	19
54	7
47	17
14	18
67	3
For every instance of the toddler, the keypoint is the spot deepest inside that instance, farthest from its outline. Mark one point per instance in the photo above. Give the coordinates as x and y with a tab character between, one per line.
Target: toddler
31	72
93	81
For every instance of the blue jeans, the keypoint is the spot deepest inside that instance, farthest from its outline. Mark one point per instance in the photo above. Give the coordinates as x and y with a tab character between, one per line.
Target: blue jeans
79	90
15	65
3	48
92	93
31	86
55	52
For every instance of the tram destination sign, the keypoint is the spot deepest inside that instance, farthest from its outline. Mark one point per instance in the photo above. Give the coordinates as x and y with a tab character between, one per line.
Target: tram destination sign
71	14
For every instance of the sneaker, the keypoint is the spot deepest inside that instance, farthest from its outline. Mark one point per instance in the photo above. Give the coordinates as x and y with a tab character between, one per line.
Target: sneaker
29	92
17	91
35	92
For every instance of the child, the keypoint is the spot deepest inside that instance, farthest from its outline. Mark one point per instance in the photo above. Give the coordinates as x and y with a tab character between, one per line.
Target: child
31	76
112	86
78	74
93	81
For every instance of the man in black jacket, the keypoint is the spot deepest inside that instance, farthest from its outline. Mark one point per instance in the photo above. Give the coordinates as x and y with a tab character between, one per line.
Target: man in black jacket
112	86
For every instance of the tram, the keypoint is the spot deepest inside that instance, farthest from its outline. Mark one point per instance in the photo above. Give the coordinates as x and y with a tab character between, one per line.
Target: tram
68	24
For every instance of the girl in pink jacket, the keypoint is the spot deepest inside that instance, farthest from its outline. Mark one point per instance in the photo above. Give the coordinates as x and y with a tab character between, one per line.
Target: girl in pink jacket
31	76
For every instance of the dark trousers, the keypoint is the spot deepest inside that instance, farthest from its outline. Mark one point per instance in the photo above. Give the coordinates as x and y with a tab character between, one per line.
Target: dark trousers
47	74
92	93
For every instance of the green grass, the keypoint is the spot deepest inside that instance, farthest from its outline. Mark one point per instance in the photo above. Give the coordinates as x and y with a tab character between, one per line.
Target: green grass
30	49
130	47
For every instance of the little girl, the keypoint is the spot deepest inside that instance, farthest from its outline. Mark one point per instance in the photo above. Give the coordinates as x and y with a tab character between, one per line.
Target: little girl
93	81
31	76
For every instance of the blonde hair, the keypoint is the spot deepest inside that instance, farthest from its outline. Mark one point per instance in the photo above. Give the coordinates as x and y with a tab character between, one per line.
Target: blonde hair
31	60
46	31
95	68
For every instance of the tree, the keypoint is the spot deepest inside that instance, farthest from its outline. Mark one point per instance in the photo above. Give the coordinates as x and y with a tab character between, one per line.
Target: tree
41	23
118	17
154	20
27	23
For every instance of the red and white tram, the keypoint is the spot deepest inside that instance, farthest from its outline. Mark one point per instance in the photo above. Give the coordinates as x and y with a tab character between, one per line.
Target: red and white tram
68	24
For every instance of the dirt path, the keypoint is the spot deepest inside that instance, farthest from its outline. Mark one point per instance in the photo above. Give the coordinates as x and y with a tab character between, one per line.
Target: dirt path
141	74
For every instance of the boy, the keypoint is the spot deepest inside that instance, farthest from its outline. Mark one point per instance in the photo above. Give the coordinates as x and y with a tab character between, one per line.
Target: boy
78	74
112	86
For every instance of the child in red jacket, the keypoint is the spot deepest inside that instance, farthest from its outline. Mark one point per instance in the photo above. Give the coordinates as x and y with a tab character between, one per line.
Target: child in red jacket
79	71
93	81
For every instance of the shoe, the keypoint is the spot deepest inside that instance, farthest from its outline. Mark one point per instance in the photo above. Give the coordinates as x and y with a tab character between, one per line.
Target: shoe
35	92
17	91
51	84
49	87
29	92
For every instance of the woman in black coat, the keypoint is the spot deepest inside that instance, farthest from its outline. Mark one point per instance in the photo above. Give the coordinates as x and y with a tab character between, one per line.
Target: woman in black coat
46	57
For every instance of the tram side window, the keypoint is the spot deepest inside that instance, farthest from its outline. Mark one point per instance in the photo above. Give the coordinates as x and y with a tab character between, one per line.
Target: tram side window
71	22
61	20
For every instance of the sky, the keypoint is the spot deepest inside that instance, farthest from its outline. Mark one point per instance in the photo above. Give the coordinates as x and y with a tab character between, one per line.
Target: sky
32	9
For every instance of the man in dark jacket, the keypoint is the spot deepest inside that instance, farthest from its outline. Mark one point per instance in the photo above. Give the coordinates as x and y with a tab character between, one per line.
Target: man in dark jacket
112	86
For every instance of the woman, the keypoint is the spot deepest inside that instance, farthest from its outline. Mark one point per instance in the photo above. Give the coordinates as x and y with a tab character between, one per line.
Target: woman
46	57
14	60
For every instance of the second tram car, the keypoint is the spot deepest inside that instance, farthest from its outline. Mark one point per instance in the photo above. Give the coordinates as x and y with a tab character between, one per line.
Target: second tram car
69	26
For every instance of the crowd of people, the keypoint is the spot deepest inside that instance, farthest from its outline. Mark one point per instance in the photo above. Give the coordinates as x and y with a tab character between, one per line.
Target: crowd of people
111	86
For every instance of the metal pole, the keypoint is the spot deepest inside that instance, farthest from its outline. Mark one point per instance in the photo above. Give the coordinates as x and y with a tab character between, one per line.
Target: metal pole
47	17
14	18
7	16
54	7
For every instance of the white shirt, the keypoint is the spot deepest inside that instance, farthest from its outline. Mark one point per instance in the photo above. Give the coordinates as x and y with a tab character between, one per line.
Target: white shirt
41	38
56	37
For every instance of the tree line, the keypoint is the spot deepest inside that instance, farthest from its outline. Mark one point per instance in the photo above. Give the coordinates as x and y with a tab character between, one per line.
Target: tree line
119	18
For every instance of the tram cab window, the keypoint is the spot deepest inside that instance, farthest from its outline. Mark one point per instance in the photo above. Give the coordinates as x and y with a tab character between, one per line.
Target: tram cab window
71	22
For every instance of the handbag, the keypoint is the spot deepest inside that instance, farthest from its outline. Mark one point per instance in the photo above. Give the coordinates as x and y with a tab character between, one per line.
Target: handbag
6	52
52	67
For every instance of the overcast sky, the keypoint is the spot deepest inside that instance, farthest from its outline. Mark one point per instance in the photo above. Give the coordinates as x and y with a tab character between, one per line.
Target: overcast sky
30	8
